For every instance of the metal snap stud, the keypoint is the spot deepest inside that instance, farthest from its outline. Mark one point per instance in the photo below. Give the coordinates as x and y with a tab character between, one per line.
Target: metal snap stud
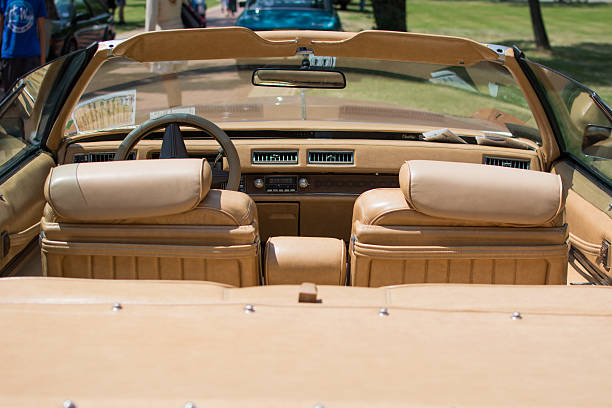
516	316
249	309
383	311
117	306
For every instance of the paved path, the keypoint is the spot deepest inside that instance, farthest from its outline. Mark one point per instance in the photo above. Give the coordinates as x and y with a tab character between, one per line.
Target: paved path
214	18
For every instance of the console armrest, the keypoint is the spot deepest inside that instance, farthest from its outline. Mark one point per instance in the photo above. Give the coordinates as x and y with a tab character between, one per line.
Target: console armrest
293	260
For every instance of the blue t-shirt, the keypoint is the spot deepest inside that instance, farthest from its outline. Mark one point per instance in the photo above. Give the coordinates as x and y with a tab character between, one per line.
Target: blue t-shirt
20	31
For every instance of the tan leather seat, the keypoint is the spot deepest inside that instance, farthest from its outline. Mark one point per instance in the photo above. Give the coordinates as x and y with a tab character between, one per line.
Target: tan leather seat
461	223
148	219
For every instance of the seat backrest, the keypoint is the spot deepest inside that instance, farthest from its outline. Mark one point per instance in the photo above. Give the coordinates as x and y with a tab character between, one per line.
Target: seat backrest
461	222
148	219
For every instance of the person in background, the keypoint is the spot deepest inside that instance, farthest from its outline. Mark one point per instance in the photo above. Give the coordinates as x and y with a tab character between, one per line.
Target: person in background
51	15
22	38
121	5
163	15
166	15
231	7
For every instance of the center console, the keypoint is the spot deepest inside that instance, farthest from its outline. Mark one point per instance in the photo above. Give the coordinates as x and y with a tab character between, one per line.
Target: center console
294	260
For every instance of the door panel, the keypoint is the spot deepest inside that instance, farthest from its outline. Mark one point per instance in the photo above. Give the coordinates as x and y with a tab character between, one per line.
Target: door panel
589	219
22	204
26	116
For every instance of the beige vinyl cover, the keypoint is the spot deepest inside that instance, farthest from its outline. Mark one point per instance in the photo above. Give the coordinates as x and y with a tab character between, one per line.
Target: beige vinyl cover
174	342
127	189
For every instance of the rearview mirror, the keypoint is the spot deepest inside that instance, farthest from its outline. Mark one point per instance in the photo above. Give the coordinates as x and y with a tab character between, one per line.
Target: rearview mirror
242	4
298	78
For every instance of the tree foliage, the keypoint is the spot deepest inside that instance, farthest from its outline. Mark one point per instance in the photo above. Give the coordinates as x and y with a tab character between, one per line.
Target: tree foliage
390	14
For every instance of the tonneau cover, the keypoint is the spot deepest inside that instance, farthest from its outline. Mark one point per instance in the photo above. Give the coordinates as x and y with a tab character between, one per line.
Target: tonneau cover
174	342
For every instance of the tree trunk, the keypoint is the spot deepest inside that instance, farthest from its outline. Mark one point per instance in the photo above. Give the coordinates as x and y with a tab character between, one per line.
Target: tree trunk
390	14
539	31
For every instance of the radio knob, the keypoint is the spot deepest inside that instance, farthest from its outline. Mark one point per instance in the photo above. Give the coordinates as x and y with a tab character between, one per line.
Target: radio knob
259	183
303	183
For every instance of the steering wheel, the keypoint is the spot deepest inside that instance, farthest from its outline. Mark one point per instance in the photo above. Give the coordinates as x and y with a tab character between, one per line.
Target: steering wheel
186	119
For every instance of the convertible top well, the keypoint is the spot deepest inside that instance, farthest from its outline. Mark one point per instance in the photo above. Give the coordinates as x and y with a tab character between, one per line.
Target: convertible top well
159	344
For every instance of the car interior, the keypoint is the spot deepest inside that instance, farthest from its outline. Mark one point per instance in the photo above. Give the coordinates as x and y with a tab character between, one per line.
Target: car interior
202	196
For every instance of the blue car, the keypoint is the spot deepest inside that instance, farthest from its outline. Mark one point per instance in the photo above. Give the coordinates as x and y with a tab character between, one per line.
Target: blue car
260	15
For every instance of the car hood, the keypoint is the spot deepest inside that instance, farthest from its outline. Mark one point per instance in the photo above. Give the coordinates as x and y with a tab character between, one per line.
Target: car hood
277	19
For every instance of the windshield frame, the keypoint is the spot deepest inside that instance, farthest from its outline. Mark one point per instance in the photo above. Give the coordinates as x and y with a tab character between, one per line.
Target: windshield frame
242	42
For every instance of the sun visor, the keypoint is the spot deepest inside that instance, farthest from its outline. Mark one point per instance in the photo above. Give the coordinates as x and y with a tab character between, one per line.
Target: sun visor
390	45
205	43
240	42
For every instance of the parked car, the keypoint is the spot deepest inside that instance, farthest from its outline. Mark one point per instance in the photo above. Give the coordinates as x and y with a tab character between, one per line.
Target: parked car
393	219
79	24
289	15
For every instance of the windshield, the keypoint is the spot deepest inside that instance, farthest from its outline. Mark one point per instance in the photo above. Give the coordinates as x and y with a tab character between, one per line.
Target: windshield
383	95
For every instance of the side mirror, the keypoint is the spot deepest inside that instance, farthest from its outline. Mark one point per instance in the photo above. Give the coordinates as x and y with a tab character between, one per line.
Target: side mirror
592	139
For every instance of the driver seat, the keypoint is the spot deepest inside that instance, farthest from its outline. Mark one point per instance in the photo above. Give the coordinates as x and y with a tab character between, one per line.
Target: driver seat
148	219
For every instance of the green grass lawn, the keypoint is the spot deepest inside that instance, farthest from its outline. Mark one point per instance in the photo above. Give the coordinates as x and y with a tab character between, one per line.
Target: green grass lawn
134	16
580	34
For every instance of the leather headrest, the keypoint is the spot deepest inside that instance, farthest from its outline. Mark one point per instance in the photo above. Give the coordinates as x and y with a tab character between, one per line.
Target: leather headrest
127	189
478	192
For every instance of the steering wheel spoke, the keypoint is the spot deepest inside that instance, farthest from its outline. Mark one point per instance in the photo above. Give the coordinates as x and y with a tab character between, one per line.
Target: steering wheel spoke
219	178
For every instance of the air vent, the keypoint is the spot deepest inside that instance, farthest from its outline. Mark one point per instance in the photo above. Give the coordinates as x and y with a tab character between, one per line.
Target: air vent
275	157
504	162
329	157
98	157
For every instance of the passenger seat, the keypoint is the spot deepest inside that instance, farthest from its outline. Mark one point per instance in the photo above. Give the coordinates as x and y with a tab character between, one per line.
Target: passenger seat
461	223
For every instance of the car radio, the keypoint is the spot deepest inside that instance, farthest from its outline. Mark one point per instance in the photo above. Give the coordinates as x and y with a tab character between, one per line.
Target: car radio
281	184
